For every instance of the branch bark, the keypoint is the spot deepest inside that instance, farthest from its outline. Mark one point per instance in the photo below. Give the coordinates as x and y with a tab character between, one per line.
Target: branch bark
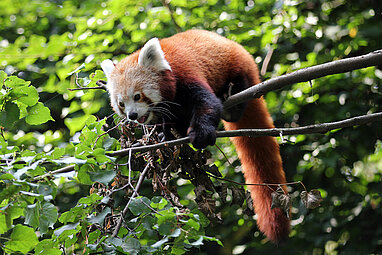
306	74
311	129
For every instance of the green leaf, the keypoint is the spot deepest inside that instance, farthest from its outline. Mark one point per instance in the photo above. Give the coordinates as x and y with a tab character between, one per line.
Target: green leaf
139	206
78	69
3	76
25	94
91	199
148	222
75	124
103	176
93	236
158	203
131	245
100	156
213	239
83	174
47	247
8	215
72	228
73	215
116	241
100	217
160	243
14	81
109	143
178	250
48	217
203	220
9	115
38	114
197	242
22	239
50	251
7	176
32	215
193	224
70	160
166	228
41	216
166	216
176	232
58	153
9	192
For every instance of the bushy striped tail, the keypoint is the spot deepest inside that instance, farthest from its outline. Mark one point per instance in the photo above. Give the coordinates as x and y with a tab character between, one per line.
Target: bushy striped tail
261	163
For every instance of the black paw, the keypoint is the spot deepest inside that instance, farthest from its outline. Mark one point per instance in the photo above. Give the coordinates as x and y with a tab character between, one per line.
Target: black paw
202	137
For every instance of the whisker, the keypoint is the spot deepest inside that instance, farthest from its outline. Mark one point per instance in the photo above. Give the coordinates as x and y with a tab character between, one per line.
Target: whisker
169	102
163	111
167	114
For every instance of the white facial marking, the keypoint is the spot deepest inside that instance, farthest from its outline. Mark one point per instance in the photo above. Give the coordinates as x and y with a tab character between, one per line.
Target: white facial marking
140	79
152	55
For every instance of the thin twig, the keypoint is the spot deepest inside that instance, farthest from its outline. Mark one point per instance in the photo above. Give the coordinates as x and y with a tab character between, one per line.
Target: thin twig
135	193
65	169
225	156
88	88
101	85
99	136
254	184
268	57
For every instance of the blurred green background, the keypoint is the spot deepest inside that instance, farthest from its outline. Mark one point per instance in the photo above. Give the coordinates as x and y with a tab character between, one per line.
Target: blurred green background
45	41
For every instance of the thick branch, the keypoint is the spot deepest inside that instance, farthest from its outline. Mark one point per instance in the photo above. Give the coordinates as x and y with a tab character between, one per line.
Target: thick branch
306	74
311	129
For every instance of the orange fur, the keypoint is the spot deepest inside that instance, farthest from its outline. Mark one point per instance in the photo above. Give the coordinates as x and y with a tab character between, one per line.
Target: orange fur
261	163
213	62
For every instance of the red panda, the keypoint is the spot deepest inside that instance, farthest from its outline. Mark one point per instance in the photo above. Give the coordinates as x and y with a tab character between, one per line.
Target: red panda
181	82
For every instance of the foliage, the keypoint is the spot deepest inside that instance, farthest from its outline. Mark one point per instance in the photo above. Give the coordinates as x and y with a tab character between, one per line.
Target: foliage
47	47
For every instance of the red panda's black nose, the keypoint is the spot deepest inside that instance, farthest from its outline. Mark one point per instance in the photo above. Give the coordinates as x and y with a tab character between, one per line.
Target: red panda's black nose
133	115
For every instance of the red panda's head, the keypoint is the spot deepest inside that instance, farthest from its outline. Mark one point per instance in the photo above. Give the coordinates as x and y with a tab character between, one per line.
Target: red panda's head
134	84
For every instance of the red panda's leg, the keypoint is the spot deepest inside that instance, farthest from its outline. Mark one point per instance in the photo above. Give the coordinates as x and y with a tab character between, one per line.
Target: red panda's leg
205	117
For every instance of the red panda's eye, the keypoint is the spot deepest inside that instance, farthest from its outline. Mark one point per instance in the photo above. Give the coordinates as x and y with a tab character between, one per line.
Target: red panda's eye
121	104
137	97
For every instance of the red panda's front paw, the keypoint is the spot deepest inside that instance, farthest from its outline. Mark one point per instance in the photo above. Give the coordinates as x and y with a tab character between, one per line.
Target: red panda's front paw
202	137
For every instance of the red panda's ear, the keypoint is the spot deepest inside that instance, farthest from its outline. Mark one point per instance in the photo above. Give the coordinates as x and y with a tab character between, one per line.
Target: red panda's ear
107	67
152	55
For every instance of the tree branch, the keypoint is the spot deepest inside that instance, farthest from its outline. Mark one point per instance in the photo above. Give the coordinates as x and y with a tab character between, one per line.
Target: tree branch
58	171
311	129
306	74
